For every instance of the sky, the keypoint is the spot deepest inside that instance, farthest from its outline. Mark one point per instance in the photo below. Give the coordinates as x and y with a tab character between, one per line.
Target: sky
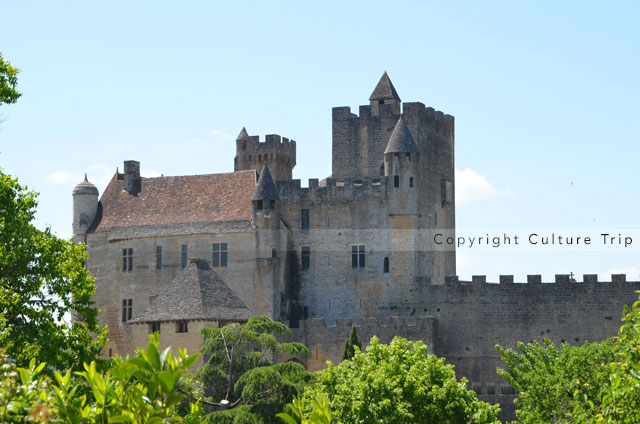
544	94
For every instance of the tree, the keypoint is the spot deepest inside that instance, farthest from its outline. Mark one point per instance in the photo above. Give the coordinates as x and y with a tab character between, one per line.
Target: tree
546	378
42	279
140	389
8	82
618	398
398	383
240	382
350	345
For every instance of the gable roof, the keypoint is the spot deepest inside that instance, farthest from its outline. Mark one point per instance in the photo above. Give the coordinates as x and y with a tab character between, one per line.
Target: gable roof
384	90
177	200
401	140
197	293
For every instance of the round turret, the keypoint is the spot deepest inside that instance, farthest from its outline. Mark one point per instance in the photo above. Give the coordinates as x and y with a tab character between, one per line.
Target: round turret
85	206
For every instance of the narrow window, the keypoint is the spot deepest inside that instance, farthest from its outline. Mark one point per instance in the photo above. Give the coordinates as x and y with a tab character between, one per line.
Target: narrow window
110	352
127	309
410	181
386	265
127	259
305	312
305	256
184	256
396	181
274	253
357	256
304	218
382	170
154	327
182	327
158	257
259	205
219	254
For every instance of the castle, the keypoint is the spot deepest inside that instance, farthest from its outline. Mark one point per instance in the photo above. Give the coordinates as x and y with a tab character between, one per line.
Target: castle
174	254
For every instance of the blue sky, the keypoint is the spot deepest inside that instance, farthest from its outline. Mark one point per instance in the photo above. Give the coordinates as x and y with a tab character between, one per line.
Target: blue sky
544	94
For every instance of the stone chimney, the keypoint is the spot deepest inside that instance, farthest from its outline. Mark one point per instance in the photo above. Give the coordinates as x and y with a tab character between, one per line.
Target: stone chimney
132	176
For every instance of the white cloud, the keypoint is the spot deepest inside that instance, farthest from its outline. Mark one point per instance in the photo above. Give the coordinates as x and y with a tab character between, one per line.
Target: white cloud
63	177
633	273
471	186
195	141
222	134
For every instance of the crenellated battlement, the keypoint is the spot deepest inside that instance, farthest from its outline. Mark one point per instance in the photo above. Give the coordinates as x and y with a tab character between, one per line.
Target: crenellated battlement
534	279
279	153
348	188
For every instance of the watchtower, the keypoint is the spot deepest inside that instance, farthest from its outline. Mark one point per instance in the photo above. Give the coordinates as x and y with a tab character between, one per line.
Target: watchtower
279	153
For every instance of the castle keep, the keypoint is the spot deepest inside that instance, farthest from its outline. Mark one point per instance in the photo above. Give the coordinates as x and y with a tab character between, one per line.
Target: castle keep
174	254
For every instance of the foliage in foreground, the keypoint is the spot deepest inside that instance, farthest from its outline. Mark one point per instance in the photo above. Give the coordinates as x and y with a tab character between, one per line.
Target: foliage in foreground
8	82
350	346
140	389
398	383
593	383
42	279
238	369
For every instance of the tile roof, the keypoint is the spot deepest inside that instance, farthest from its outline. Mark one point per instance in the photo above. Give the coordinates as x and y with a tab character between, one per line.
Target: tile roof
400	140
196	293
174	200
384	90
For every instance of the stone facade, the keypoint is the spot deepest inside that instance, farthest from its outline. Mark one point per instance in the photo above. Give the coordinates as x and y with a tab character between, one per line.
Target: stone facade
356	247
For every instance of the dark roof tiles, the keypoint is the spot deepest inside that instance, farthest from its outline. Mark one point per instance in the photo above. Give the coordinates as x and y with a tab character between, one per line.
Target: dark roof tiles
266	188
401	140
384	90
197	293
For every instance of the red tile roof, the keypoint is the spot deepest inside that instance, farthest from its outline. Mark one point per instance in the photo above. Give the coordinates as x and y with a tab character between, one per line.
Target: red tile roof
172	200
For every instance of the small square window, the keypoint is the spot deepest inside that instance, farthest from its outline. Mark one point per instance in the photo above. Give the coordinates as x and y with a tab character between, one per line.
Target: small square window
182	327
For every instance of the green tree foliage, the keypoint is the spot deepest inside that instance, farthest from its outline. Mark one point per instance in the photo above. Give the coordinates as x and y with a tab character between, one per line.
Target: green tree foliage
546	378
318	412
350	346
618	400
398	383
42	278
8	82
136	390
239	377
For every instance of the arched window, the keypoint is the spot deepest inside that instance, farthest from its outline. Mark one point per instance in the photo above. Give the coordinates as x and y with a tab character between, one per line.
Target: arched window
386	265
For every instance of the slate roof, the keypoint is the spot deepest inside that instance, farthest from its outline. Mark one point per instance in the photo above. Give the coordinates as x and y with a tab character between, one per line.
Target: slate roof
197	293
243	134
266	188
85	187
177	200
384	90
400	140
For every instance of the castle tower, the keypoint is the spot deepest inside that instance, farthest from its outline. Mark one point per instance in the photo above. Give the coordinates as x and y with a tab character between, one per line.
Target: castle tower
268	245
277	152
359	141
400	157
85	206
384	94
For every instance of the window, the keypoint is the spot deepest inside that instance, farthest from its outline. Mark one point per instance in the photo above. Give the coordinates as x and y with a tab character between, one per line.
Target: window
304	219
410	181
127	260
154	327
386	265
357	256
184	256
272	205
382	170
274	253
259	205
305	256
158	257
220	254
396	181
182	327
127	309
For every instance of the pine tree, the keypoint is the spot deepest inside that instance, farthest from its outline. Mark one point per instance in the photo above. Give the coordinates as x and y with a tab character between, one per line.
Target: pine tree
349	347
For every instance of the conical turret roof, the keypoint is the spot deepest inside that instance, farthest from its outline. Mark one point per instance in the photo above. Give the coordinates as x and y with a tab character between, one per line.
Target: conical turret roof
243	134
401	140
384	90
266	188
85	187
